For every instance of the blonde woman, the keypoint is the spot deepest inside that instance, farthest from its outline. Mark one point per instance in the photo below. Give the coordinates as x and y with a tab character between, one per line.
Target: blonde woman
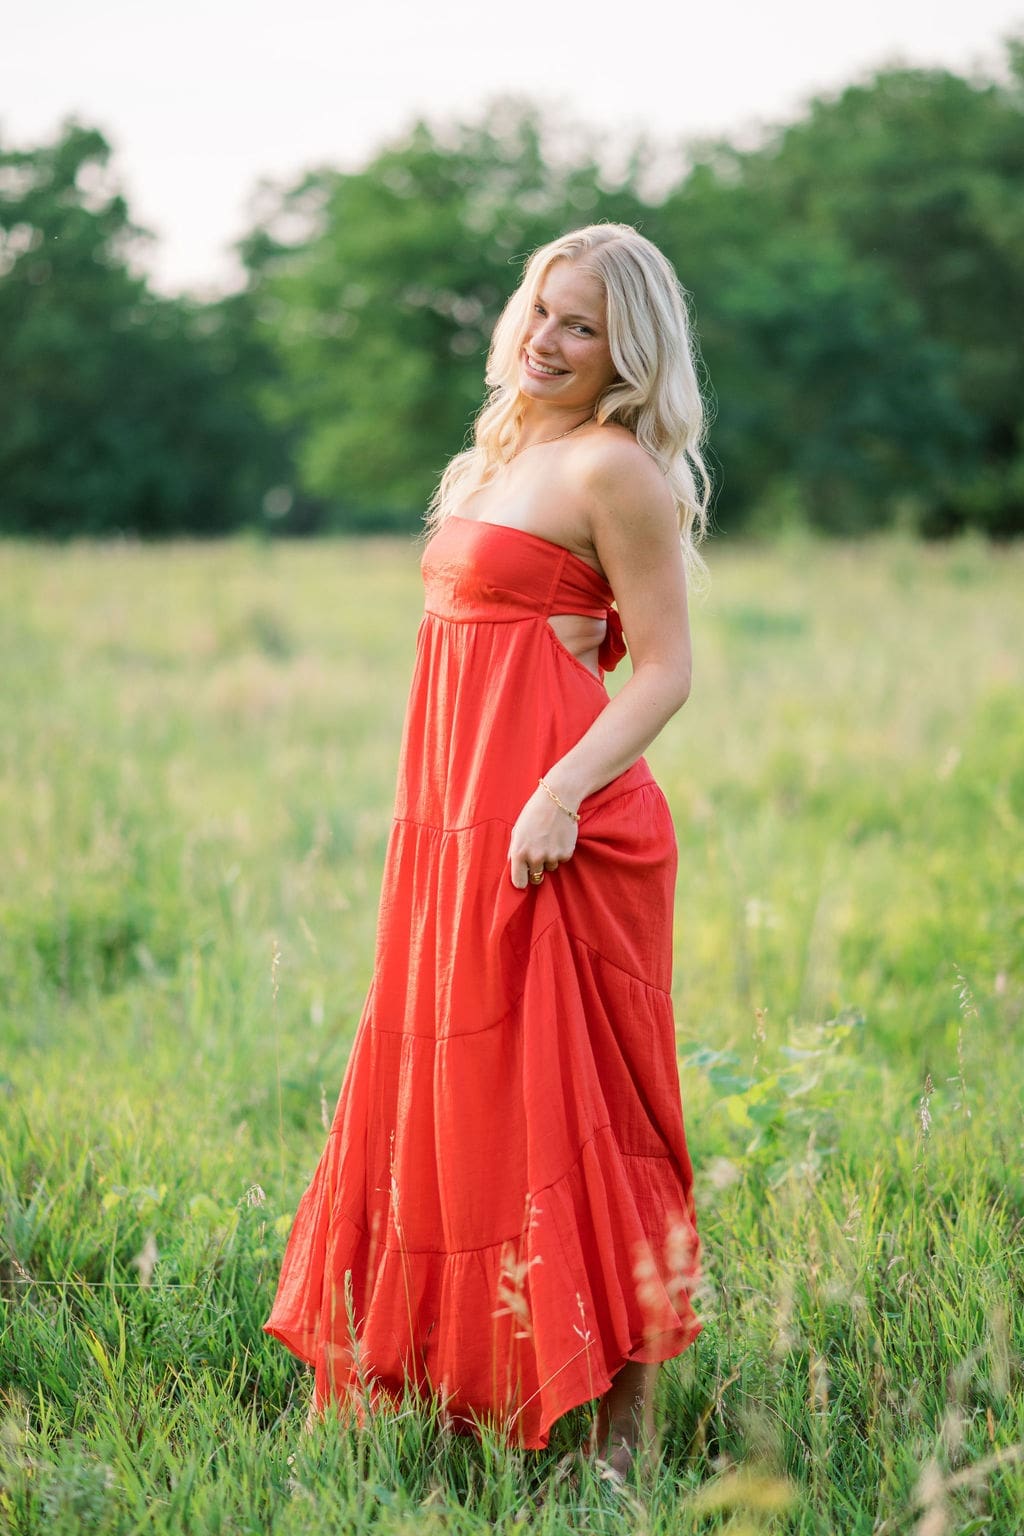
503	1218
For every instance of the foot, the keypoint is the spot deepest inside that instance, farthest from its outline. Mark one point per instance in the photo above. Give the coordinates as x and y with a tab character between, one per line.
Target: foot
621	1457
613	1453
624	1429
617	1462
612	1479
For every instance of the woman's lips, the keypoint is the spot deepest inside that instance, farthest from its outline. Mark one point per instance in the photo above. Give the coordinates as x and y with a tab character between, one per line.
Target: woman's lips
542	373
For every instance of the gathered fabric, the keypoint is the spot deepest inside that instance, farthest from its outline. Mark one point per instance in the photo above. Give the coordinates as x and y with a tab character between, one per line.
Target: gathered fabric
503	1214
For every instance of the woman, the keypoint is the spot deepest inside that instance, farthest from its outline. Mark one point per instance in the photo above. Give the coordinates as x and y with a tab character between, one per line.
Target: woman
503	1217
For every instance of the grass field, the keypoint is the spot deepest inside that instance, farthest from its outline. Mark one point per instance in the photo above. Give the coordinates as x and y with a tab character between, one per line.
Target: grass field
196	771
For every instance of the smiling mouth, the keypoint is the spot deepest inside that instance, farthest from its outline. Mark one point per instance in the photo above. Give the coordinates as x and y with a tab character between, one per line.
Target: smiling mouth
543	367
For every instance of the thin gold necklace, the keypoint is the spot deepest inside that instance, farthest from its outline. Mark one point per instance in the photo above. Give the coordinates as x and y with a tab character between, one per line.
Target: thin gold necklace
558	436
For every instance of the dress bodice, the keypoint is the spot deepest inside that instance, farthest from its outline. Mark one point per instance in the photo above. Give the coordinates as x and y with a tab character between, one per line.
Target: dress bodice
476	571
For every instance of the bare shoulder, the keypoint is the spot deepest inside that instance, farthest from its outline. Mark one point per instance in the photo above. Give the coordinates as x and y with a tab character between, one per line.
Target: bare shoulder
626	490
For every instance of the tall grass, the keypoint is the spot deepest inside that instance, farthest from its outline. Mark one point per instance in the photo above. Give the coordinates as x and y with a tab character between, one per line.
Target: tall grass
196	769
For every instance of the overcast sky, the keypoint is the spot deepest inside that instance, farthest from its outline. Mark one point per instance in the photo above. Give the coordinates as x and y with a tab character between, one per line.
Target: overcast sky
203	98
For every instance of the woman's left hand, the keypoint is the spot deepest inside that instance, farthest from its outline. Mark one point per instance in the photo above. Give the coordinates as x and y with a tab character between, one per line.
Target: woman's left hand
542	838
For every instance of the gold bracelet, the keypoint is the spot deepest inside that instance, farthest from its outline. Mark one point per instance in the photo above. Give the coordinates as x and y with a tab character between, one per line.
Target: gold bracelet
560	803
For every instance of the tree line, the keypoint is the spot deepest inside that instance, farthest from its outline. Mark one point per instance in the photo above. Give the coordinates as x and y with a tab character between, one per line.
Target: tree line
856	282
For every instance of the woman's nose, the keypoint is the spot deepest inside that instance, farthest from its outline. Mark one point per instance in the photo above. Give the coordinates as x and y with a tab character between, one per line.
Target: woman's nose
544	335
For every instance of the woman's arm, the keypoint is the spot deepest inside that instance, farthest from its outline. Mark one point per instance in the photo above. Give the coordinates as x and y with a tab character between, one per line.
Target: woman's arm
635	531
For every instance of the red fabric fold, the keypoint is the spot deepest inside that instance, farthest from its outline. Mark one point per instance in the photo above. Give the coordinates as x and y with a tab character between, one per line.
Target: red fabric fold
613	646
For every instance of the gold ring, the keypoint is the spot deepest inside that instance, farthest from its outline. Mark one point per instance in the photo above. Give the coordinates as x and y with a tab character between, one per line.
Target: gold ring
536	876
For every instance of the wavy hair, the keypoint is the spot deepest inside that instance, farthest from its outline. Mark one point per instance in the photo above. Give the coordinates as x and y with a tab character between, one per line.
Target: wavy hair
657	395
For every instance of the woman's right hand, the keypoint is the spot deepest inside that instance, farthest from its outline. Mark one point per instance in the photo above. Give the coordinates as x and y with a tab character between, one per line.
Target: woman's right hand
543	837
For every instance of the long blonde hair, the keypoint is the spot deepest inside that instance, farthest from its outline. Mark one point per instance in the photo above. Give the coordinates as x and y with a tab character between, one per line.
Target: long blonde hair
656	396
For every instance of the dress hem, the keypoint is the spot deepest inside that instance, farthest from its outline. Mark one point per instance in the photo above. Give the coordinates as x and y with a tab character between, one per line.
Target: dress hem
471	1422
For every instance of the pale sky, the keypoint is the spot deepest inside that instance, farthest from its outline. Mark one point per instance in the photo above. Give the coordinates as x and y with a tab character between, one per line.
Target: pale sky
202	98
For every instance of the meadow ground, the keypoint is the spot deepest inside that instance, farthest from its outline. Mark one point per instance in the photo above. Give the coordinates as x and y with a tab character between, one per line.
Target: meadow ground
196	770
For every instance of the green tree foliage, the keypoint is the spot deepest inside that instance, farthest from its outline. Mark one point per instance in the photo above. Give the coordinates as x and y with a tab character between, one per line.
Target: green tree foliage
836	407
118	410
920	176
382	308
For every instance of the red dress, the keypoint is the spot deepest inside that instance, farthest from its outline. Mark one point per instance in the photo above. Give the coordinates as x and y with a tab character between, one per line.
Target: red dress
503	1213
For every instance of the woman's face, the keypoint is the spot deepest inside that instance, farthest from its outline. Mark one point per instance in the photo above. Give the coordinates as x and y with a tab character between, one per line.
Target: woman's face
565	359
